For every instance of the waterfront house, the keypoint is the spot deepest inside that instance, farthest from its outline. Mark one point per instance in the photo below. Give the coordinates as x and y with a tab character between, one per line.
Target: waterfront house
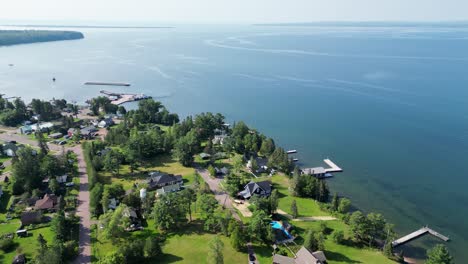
303	256
261	165
28	218
49	203
262	189
158	180
219	139
318	172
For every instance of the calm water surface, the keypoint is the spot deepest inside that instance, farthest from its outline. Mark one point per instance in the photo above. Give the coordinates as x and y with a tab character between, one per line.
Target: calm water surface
388	104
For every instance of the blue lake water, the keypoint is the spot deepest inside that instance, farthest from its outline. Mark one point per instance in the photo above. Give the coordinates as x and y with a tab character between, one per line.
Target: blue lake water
387	104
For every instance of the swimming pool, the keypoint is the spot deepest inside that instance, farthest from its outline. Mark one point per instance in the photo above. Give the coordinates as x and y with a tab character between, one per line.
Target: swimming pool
278	225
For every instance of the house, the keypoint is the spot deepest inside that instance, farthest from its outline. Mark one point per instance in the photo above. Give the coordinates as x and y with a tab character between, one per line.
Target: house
262	188
158	180
167	189
9	149
48	203
19	259
318	172
26	129
32	217
261	165
222	171
219	139
113	203
86	132
43	127
205	156
303	256
62	179
56	135
106	122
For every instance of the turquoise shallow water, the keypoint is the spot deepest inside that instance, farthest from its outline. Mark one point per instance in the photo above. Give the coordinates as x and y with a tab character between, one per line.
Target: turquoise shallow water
387	104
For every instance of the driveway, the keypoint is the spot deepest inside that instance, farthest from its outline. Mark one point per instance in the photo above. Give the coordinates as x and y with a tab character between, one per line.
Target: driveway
220	195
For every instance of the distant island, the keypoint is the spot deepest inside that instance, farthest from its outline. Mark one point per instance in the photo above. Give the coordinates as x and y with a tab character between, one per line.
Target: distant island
13	37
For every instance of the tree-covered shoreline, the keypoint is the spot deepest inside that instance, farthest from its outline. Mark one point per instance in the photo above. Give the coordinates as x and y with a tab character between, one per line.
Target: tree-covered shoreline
14	37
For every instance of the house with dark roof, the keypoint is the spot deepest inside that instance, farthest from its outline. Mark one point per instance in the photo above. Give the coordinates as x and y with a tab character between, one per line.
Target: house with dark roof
9	149
262	189
303	256
106	122
168	188
28	218
48	203
158	180
19	259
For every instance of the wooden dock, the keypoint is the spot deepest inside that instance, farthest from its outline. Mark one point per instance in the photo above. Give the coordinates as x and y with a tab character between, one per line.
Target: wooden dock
333	166
121	98
418	233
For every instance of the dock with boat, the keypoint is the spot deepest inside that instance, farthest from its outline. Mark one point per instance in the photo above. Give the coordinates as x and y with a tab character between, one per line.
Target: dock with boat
121	98
418	233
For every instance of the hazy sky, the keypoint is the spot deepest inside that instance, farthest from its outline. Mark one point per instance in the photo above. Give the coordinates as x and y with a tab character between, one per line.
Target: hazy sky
233	11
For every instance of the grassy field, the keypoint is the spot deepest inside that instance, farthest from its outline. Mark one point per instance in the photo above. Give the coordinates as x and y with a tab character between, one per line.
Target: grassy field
28	244
163	163
305	206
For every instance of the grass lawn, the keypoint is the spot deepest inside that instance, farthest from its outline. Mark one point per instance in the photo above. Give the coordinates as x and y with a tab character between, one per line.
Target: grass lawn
305	206
192	247
27	244
163	163
337	253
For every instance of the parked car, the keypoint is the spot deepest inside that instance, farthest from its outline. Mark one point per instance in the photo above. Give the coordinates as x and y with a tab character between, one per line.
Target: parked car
70	184
63	142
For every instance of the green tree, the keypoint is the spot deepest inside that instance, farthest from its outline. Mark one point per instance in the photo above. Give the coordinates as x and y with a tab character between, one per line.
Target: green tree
215	251
268	147
168	212
274	201
344	205
26	171
335	203
152	247
338	236
54	185
294	211
237	238
259	227
95	199
310	241
439	255
360	227
114	257
185	148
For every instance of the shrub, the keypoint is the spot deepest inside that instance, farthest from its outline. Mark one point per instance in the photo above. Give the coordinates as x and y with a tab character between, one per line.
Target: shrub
7	244
338	236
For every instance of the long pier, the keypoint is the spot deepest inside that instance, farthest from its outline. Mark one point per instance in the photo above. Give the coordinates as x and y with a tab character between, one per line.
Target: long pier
418	233
333	166
107	83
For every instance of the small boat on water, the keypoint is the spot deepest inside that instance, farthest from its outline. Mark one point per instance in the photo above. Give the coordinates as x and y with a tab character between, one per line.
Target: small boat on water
11	65
291	151
295	160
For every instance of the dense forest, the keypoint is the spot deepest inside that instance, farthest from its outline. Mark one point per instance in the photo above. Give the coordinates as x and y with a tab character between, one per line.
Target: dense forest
13	37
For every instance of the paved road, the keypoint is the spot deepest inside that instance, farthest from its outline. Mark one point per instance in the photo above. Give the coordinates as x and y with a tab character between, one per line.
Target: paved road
11	135
83	210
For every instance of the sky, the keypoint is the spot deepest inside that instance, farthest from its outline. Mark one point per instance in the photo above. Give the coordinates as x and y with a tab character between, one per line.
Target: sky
233	11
